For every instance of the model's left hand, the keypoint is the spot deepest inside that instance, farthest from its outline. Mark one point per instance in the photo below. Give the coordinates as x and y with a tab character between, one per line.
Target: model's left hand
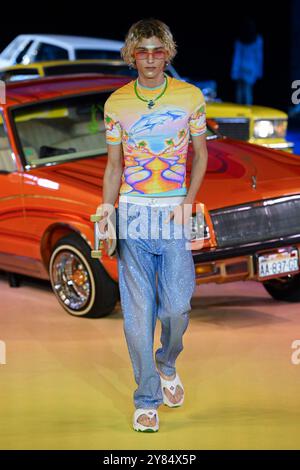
181	214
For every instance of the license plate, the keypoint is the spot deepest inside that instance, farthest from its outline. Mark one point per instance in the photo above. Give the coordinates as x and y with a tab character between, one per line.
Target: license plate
271	264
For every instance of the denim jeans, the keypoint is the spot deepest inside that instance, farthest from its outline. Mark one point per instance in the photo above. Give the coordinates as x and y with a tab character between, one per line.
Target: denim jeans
244	92
156	280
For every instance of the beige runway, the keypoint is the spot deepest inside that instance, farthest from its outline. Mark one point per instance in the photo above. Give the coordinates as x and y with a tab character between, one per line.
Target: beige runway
68	382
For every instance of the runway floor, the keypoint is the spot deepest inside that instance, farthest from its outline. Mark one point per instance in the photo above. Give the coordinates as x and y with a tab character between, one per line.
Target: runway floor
68	382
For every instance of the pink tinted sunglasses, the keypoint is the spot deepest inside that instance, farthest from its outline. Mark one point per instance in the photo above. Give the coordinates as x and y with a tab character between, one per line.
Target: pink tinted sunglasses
157	54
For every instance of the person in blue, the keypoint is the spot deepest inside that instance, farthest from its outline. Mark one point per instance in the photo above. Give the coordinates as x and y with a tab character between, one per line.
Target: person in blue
149	122
247	63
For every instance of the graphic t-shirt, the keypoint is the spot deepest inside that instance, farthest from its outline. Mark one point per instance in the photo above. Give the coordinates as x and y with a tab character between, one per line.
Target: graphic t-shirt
155	141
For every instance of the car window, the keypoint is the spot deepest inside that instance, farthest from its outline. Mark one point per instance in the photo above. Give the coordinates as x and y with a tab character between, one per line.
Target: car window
19	73
60	130
22	53
50	52
96	54
71	68
7	163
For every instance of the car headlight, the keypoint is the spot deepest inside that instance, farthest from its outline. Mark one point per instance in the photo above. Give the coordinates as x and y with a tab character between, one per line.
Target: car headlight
267	128
280	126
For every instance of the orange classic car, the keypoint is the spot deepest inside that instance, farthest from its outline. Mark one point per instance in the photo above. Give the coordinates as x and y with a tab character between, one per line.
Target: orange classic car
52	159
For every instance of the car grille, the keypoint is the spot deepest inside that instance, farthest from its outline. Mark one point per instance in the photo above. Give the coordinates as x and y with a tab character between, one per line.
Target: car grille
257	221
234	128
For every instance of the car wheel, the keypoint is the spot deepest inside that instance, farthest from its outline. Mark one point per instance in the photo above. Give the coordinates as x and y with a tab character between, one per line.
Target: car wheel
80	282
286	288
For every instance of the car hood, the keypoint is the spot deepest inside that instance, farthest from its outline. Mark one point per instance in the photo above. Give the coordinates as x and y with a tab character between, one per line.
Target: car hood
237	172
233	110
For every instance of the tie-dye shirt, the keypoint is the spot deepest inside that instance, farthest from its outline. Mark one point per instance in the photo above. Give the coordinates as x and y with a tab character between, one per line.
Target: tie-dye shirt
155	141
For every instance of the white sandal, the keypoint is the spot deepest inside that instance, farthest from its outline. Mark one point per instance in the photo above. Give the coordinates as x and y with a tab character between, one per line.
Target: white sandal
150	412
171	386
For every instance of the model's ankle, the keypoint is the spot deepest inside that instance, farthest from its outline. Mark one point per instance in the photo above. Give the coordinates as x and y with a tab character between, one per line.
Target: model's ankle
168	377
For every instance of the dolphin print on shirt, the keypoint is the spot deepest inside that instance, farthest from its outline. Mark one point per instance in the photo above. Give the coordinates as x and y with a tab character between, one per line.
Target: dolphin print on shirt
149	122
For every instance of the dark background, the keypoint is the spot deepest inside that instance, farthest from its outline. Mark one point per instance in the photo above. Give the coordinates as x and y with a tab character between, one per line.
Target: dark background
204	32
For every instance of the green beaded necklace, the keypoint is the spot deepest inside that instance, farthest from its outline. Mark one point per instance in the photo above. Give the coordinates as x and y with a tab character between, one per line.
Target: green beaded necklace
151	102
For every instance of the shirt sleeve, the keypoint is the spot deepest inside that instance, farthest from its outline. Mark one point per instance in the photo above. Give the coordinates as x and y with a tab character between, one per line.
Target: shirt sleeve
112	125
197	120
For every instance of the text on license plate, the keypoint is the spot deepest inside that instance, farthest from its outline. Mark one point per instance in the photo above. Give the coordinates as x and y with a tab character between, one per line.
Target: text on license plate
278	263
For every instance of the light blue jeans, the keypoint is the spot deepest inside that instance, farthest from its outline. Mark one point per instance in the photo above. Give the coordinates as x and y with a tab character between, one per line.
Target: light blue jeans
244	92
156	279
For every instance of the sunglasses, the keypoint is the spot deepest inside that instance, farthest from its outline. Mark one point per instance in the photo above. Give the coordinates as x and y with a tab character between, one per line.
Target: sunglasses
161	54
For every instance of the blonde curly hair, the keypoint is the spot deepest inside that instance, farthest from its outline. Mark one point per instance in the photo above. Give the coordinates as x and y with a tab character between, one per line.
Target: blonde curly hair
147	28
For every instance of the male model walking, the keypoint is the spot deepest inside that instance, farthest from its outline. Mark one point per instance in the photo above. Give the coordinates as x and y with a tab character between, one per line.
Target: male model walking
148	123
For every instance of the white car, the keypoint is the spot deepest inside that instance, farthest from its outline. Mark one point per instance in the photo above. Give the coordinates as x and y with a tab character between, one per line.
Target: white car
28	48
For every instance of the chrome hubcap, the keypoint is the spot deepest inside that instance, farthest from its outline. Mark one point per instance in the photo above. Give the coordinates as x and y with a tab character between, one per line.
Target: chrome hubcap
71	280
